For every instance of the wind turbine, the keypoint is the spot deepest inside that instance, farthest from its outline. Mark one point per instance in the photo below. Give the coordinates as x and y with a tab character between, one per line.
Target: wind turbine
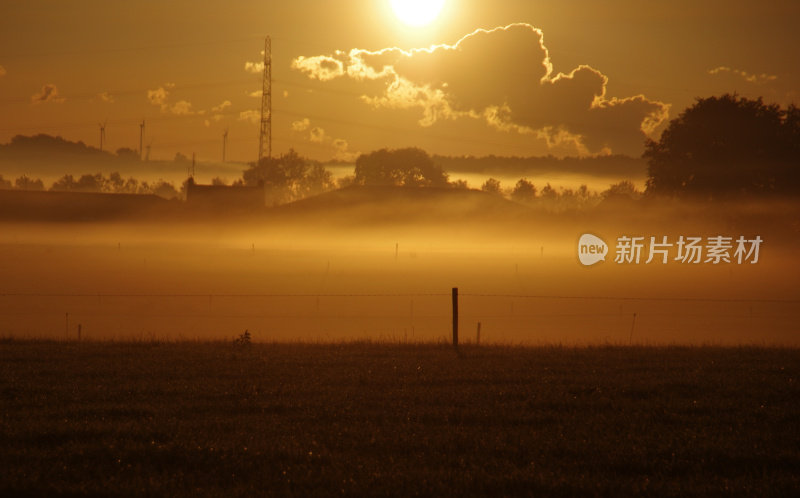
103	133
147	150
224	144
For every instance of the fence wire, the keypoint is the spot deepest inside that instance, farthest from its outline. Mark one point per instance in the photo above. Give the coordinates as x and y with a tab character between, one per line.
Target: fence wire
413	316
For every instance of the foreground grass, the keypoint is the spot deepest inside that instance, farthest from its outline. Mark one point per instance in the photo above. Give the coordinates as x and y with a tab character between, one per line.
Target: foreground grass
360	419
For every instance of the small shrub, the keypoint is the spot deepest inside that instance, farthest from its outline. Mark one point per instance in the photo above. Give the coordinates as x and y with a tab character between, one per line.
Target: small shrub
244	339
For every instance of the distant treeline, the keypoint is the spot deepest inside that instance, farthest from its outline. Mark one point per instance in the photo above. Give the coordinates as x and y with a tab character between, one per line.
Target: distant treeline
613	166
96	183
560	199
291	177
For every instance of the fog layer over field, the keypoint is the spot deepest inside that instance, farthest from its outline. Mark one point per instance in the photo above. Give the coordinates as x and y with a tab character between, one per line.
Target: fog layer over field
383	269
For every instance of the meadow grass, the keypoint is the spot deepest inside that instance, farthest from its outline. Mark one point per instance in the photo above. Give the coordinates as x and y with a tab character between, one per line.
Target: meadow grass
217	419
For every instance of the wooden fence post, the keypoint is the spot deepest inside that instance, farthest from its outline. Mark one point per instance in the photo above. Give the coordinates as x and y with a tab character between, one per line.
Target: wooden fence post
455	317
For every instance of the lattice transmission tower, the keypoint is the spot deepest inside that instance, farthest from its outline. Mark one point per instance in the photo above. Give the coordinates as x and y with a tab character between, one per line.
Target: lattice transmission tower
265	137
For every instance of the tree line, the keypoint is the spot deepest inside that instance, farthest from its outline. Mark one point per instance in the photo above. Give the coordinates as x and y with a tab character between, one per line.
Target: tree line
290	177
720	147
96	183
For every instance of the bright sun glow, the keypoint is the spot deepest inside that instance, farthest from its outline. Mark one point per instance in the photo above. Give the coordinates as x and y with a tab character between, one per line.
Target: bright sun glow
417	12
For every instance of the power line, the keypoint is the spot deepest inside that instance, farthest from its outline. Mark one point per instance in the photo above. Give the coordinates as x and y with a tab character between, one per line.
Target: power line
639	298
196	295
357	295
160	46
140	90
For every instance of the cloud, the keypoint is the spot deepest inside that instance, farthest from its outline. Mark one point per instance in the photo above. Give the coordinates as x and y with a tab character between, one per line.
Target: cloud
3	71
301	125
503	77
748	77
317	135
181	108
323	68
160	98
254	67
48	93
225	104
342	150
251	115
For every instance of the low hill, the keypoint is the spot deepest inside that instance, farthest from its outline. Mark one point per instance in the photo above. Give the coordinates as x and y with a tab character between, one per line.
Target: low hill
50	158
21	205
404	204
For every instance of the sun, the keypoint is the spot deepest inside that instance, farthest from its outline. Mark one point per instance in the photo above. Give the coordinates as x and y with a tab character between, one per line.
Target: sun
417	13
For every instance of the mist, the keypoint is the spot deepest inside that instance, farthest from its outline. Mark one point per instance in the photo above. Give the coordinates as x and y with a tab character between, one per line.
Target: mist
379	267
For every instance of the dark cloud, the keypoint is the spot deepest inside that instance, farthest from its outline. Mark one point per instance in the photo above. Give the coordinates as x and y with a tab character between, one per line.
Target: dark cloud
505	78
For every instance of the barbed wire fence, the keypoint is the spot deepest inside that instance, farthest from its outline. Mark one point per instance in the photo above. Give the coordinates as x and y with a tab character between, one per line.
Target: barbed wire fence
400	317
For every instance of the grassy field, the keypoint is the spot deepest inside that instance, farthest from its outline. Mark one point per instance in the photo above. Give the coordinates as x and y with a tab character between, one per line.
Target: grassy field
215	419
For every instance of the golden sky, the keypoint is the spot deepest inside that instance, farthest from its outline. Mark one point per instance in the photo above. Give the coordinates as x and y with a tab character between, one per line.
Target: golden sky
514	77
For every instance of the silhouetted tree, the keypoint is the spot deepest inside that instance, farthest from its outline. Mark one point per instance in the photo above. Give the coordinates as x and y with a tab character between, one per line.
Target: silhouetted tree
277	172
5	184
411	167
549	194
289	177
91	183
346	181
459	184
316	180
492	186
114	183
65	183
624	188
25	183
577	199
524	191
724	146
